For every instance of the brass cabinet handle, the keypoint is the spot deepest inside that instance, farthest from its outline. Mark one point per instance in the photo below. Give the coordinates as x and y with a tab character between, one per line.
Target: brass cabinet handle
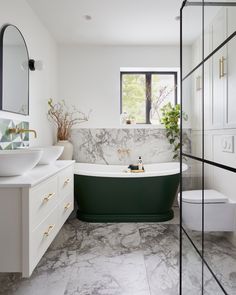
49	196
67	206
50	228
222	67
66	181
198	83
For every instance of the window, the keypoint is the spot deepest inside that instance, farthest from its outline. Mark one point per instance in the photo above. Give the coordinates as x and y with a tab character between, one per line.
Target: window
143	94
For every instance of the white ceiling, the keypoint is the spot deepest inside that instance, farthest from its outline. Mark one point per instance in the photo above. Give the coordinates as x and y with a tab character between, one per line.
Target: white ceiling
114	22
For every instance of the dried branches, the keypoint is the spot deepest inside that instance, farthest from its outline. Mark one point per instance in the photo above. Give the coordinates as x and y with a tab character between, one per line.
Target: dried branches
157	100
164	92
65	118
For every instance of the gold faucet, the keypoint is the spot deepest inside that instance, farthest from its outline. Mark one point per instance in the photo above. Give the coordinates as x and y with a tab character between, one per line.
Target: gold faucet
123	151
21	130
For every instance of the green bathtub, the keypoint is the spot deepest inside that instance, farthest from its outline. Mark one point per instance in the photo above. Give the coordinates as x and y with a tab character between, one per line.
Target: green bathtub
117	197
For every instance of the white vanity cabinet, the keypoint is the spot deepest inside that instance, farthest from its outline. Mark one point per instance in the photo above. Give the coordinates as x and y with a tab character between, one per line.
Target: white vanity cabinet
33	209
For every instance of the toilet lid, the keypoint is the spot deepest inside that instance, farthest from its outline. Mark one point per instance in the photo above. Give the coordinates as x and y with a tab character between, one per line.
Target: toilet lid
210	196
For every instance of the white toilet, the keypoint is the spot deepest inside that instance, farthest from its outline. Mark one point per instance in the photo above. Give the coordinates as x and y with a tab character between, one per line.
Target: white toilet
219	211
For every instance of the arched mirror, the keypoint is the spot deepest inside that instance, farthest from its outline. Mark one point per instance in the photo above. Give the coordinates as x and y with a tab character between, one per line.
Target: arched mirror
14	67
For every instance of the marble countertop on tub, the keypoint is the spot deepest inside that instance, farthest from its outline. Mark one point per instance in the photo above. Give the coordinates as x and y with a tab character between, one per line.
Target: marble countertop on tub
34	176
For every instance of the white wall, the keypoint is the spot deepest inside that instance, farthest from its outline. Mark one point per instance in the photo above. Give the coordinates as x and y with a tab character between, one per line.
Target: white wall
43	85
89	76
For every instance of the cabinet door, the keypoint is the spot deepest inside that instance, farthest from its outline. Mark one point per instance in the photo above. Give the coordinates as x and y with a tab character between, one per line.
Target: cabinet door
197	100
208	94
231	20
230	71
219	33
218	62
197	52
207	40
218	89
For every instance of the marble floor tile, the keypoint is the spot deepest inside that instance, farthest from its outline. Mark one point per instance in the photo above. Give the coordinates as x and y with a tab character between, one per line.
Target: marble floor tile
160	244
111	239
117	259
191	269
220	255
50	276
118	275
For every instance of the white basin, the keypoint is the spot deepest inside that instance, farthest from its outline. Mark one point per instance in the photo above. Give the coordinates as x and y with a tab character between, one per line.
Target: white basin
50	154
18	162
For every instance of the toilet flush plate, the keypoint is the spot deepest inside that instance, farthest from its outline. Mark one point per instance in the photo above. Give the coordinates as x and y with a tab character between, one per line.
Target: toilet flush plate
227	144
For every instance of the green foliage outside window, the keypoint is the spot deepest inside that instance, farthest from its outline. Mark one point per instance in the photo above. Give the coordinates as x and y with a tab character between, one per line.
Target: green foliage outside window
143	95
134	96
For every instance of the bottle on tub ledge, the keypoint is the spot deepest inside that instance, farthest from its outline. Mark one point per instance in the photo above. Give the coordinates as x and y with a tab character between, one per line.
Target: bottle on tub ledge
140	163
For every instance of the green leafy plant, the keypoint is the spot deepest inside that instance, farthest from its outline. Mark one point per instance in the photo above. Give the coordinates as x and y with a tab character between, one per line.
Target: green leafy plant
170	119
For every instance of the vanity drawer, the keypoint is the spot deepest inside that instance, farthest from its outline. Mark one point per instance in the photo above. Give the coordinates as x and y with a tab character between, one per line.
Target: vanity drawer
42	236
65	208
43	198
66	180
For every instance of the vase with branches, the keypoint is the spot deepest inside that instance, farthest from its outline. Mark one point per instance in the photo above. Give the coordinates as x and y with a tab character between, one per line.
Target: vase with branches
65	118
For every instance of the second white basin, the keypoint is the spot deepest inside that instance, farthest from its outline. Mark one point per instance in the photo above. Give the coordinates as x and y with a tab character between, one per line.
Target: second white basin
50	153
18	162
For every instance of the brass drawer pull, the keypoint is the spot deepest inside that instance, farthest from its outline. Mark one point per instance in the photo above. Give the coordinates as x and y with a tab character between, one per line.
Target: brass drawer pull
198	83
222	67
50	228
66	181
46	199
67	206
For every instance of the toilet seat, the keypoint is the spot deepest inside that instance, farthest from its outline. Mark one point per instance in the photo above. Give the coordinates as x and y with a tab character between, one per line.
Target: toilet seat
210	197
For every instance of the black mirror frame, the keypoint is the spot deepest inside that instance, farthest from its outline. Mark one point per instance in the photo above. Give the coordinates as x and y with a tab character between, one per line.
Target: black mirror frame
3	29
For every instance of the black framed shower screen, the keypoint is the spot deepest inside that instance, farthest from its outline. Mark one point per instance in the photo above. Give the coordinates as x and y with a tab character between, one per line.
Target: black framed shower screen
194	244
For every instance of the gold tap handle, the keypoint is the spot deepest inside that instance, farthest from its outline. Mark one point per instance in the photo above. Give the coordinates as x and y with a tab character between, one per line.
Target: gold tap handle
49	196
67	206
50	228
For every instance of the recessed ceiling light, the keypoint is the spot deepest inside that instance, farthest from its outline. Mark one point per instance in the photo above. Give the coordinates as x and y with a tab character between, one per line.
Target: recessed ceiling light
177	18
87	17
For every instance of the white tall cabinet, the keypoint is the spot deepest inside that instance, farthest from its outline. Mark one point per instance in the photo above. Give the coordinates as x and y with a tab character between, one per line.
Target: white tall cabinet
219	75
33	209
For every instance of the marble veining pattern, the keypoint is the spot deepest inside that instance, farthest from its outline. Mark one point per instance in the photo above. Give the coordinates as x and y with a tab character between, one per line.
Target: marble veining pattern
122	146
98	259
113	259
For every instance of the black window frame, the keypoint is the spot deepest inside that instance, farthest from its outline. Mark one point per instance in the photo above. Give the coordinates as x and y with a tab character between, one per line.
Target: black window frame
148	75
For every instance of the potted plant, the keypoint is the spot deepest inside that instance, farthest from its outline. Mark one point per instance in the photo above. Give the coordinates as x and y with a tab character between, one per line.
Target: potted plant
170	119
65	118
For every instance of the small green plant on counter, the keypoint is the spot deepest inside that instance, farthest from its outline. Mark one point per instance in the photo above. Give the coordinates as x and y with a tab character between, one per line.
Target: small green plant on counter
170	119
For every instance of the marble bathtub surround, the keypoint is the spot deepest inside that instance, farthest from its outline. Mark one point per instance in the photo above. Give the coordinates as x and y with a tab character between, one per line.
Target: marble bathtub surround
13	141
122	146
